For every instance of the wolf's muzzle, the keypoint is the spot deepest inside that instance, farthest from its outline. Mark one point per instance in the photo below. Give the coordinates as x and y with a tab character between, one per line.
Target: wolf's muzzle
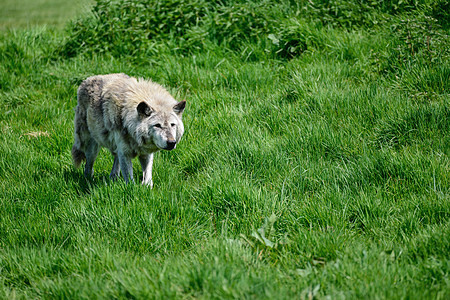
170	145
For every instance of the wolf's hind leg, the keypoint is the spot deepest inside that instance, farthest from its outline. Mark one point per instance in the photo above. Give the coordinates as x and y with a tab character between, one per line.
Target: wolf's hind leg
146	164
115	169
91	154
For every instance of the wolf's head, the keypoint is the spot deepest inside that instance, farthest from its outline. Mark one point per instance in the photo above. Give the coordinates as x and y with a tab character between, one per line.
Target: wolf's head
162	127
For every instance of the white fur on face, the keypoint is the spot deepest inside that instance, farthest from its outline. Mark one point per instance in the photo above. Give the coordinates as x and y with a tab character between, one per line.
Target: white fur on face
161	129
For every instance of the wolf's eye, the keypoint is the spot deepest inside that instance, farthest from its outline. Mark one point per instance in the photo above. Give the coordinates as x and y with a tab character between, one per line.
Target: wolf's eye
157	125
172	124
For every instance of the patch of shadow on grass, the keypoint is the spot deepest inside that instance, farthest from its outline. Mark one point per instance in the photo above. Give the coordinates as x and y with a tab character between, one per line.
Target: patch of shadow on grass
430	121
83	185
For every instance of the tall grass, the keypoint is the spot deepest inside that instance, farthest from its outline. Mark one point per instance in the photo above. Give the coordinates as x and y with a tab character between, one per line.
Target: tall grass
314	164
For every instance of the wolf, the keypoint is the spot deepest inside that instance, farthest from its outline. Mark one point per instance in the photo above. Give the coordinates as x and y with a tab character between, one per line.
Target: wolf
131	117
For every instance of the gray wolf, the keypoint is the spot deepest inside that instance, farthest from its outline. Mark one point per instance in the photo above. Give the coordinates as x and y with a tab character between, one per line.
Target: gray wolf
130	117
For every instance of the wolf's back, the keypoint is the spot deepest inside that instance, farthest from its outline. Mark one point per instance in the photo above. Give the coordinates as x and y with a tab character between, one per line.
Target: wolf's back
90	94
91	89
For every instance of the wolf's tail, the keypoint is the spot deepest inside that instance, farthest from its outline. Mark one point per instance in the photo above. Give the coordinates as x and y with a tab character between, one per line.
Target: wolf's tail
80	118
77	155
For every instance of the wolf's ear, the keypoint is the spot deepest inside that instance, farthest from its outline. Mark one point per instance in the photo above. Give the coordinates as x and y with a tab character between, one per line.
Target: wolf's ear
144	110
179	107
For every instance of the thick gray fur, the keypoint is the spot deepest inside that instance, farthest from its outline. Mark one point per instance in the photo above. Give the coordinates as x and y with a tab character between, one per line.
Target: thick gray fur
130	117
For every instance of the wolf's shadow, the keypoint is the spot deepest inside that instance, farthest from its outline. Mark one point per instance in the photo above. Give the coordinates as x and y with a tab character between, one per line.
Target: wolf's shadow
83	185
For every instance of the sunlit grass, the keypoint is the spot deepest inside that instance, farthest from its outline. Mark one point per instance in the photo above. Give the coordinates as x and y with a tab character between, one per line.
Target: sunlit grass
27	13
325	175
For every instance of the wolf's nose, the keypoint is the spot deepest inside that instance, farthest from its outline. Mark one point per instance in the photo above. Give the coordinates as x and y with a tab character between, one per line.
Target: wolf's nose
170	145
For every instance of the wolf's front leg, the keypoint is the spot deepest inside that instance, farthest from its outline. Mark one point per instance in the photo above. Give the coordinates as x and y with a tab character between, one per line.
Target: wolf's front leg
146	164
126	167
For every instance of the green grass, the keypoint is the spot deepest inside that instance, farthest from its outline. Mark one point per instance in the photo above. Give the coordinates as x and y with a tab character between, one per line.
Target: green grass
321	174
28	13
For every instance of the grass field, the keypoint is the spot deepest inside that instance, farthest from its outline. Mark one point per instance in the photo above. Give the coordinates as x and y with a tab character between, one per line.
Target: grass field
315	162
53	13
